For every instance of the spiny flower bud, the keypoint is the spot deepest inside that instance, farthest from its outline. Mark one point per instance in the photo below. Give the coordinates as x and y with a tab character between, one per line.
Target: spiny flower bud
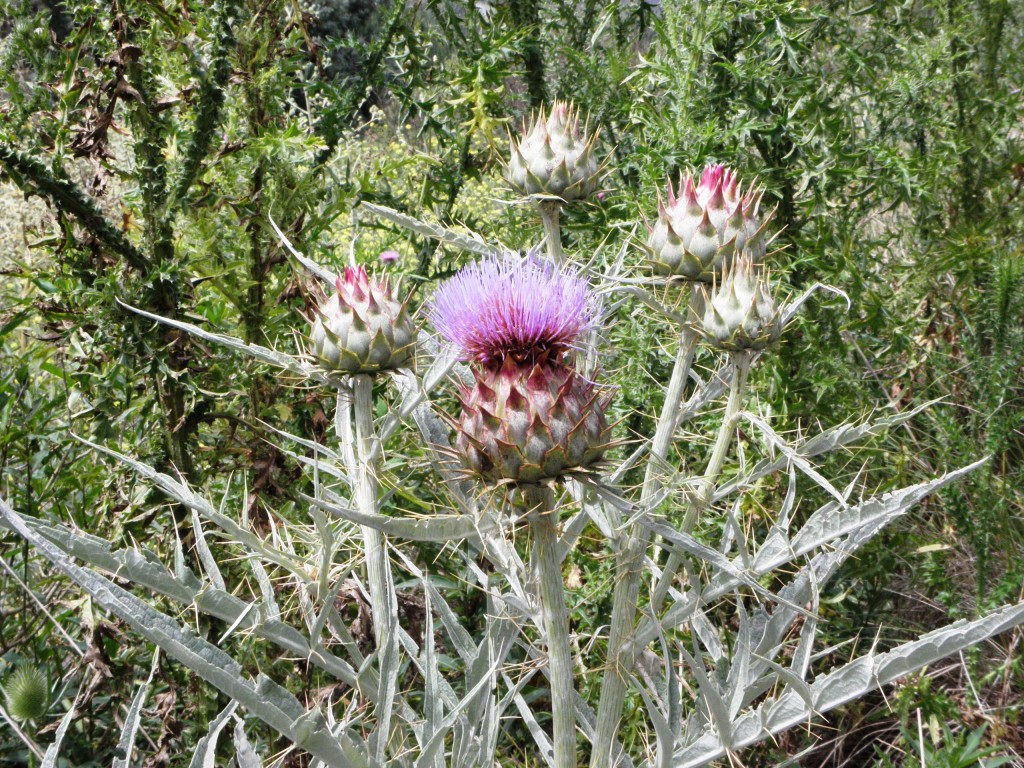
362	328
530	416
27	694
741	313
703	225
554	158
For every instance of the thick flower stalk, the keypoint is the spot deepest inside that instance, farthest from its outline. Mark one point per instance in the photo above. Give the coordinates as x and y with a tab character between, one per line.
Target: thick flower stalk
703	225
362	327
741	314
530	416
554	158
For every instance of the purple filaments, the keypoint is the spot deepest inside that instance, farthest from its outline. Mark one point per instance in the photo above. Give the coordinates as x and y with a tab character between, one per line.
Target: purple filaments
510	306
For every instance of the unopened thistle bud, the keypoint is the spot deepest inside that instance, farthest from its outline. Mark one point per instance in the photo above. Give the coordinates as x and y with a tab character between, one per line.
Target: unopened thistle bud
530	415
702	226
554	158
741	314
27	693
362	328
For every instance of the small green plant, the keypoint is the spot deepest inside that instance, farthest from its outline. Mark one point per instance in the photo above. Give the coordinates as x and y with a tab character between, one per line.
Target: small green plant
945	747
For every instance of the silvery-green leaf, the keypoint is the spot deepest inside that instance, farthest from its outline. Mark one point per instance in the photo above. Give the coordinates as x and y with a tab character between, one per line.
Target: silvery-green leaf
711	699
245	755
789	311
182	493
415	390
148	572
325	275
471	242
694	548
823	442
53	751
268	701
793	456
544	747
662	731
205	755
206	557
848	682
279	359
441	528
269	604
126	744
833	521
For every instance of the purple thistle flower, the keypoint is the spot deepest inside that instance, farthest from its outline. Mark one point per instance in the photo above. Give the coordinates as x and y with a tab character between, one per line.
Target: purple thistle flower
389	257
512	307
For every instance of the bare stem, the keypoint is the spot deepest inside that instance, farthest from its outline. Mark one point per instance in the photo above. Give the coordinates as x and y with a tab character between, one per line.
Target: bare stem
550	212
631	563
700	501
542	516
359	450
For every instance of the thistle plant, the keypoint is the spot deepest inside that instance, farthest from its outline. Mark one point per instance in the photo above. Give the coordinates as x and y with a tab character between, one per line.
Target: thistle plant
734	617
530	416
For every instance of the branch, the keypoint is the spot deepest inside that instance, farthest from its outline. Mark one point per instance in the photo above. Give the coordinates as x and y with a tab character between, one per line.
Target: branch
33	178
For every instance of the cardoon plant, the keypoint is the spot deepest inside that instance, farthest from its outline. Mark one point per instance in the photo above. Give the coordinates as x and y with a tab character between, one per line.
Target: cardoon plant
530	417
733	620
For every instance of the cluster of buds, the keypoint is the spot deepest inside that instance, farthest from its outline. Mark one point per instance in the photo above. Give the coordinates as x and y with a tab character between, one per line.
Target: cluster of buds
703	225
555	158
362	327
740	314
529	416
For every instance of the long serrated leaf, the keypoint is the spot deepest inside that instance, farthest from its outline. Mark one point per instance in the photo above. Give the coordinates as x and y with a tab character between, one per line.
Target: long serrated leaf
793	455
544	746
205	754
53	751
206	557
849	682
823	442
442	528
689	545
833	521
126	743
662	731
182	493
267	700
278	359
245	755
472	242
146	571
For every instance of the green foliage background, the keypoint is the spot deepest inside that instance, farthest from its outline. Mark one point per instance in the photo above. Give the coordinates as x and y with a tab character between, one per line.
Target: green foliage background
146	146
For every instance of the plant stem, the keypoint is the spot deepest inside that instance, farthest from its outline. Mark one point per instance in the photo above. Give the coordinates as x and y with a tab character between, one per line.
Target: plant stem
550	213
362	472
700	502
542	515
631	562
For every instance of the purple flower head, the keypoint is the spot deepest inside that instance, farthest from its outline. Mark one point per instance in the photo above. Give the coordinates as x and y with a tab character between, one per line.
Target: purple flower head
389	257
512	307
